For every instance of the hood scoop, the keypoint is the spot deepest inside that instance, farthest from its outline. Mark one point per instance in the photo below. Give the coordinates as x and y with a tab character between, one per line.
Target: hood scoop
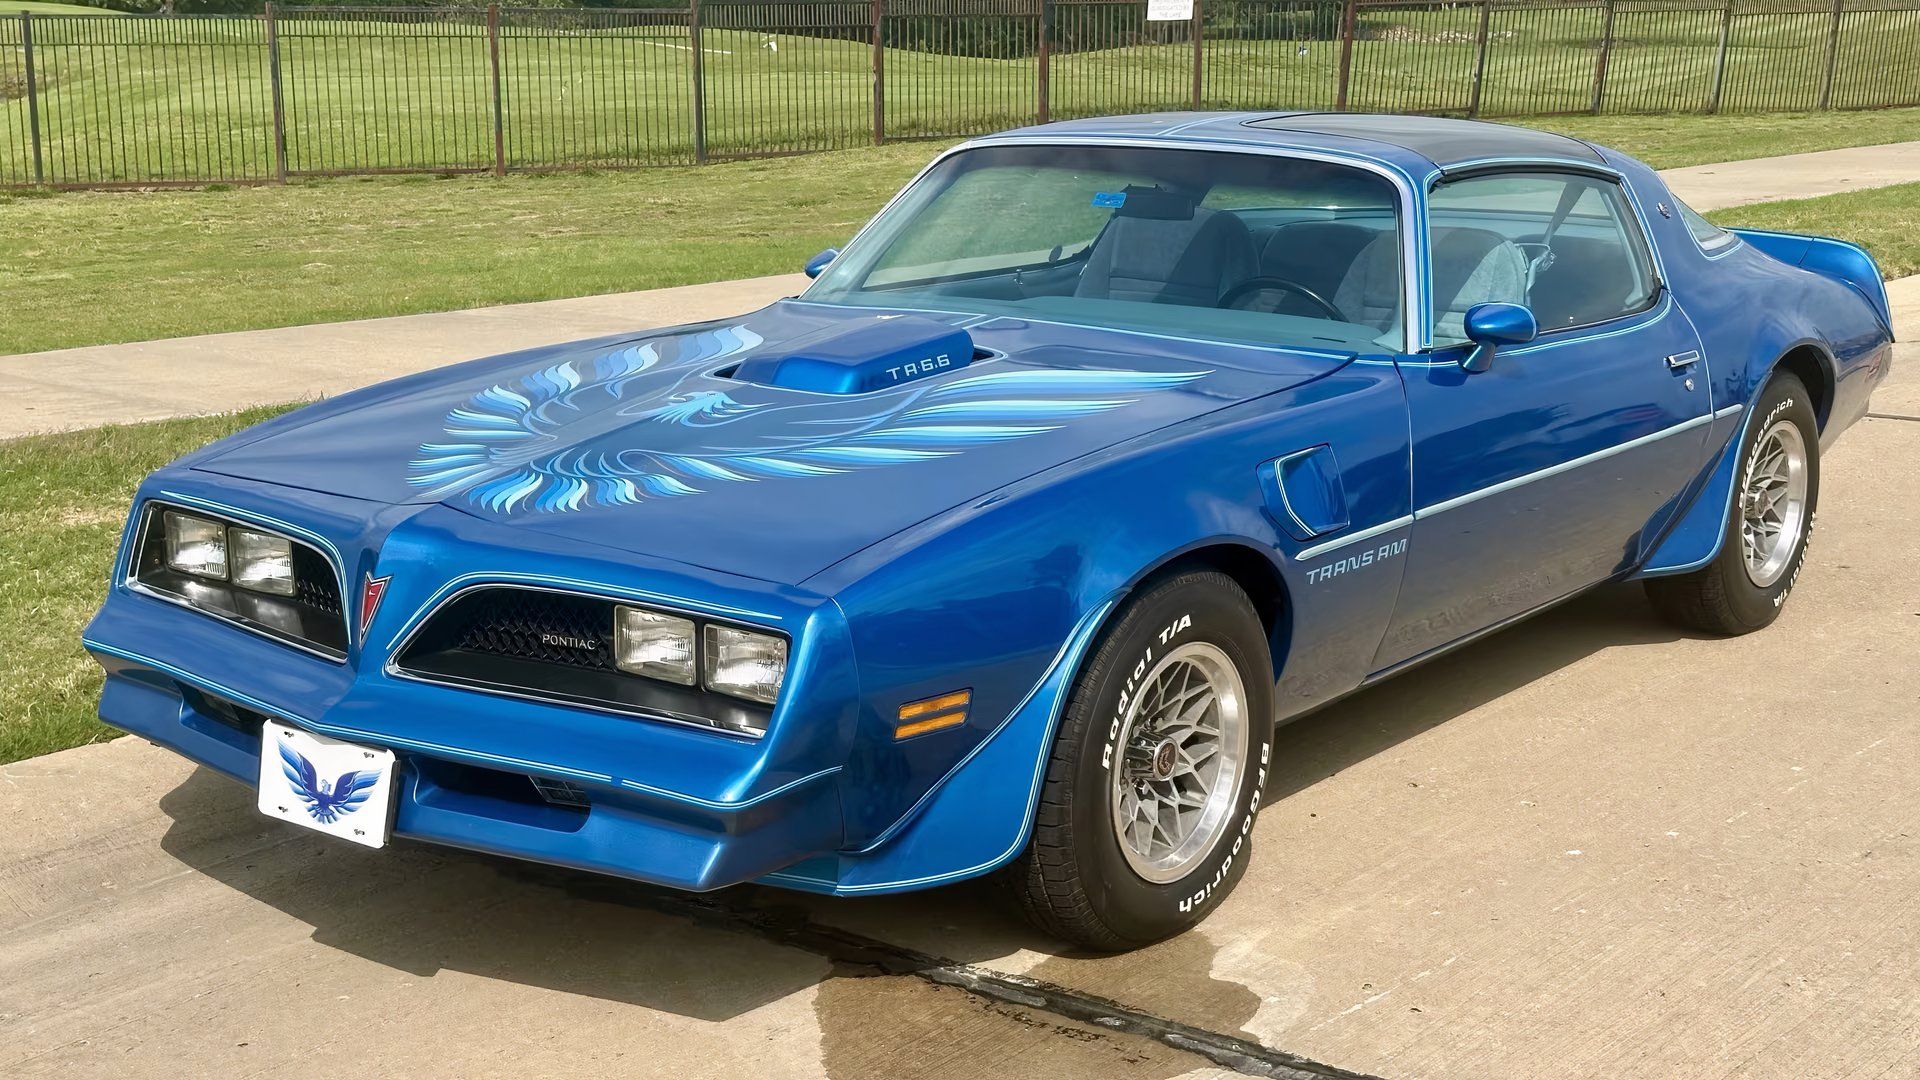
860	355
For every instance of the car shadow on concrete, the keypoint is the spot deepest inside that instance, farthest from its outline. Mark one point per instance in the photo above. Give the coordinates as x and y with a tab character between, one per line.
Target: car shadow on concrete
424	910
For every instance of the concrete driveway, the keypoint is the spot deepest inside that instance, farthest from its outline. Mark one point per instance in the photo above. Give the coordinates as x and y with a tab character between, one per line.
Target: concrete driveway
1589	846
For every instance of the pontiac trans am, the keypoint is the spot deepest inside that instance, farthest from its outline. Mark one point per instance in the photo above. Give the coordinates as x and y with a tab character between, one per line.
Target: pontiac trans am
1103	448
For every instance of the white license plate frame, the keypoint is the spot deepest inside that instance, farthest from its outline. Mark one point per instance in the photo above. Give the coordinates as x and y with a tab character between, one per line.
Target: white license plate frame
328	785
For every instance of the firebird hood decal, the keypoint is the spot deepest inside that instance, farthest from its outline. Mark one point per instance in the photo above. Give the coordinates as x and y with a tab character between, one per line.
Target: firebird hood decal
650	445
589	433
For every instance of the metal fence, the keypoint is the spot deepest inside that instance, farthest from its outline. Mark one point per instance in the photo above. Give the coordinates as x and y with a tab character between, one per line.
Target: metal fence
106	100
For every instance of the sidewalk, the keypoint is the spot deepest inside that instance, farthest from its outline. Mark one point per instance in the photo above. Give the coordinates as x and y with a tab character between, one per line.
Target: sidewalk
116	384
1796	176
150	380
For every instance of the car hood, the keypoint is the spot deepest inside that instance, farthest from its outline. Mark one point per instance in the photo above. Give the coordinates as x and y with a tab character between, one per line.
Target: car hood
772	445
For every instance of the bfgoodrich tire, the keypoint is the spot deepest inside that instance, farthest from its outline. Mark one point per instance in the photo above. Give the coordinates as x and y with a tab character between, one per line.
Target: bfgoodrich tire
1146	813
1769	523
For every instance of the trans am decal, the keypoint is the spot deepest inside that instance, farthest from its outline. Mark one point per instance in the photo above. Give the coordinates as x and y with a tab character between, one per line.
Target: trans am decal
575	435
1357	562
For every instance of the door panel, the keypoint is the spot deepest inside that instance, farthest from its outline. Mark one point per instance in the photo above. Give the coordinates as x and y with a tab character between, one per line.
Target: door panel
1538	477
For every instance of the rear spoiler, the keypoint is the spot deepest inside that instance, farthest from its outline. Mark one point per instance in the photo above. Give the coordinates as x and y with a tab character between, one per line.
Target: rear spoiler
1846	263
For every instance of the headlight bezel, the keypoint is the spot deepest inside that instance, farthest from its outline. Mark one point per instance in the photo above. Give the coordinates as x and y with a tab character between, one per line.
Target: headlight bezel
310	617
558	645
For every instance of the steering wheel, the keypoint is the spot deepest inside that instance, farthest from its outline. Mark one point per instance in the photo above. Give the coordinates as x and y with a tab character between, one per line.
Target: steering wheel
1261	284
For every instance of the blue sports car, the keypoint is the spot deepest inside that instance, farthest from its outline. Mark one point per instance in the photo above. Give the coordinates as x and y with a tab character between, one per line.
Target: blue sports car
1105	446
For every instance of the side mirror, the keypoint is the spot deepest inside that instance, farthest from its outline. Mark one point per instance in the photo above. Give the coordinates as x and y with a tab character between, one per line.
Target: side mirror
816	265
1492	325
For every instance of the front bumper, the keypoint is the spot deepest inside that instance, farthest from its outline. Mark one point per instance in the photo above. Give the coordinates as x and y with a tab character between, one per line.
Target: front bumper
666	804
445	799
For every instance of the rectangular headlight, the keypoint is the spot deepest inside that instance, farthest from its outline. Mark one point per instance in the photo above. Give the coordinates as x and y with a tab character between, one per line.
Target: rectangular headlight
654	644
196	545
261	561
745	664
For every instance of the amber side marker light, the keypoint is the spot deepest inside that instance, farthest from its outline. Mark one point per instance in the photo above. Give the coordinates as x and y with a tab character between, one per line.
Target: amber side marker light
932	714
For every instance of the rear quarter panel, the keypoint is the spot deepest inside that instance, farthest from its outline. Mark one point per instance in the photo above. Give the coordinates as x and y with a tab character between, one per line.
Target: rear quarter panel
1751	310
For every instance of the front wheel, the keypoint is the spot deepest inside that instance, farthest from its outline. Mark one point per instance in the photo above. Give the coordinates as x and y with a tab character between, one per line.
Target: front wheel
1146	813
1776	488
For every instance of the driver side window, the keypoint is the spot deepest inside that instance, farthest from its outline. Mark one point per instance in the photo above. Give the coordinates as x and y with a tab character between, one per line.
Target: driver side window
1562	244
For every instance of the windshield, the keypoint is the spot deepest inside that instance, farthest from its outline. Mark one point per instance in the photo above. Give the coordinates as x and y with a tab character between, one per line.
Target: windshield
1194	243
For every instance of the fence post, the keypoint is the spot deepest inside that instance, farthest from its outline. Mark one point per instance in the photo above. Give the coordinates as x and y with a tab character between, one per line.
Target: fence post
499	117
1199	41
879	75
1600	61
1347	19
279	97
1833	53
33	98
1480	59
1720	58
699	84
1043	93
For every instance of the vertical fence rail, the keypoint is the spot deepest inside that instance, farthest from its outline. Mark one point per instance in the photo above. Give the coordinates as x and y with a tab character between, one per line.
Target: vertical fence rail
1349	13
879	73
1833	54
1725	40
1480	57
1199	31
493	65
697	50
278	96
119	100
1601	55
1043	77
32	96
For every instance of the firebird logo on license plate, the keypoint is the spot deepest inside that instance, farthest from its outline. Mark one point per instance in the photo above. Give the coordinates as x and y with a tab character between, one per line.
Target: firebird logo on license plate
326	801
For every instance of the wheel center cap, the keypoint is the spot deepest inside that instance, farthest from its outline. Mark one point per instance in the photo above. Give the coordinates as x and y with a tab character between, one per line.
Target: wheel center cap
1165	756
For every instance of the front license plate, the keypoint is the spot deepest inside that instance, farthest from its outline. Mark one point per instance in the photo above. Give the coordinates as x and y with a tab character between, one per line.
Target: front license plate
339	788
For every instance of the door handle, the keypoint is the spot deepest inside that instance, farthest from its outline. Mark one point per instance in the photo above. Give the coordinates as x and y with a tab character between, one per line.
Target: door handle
1681	360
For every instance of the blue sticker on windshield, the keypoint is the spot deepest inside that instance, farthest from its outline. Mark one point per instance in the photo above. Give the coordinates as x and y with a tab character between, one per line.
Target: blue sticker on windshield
1114	199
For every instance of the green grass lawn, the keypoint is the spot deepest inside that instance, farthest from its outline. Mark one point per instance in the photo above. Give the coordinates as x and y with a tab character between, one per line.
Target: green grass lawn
91	267
88	268
54	556
68	496
1669	142
48	7
1886	221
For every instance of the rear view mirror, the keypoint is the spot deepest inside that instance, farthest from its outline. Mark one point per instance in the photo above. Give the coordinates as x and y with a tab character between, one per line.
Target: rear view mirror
1492	325
816	265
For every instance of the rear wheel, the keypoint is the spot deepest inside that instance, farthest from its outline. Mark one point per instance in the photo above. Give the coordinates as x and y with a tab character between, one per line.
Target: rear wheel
1769	523
1146	813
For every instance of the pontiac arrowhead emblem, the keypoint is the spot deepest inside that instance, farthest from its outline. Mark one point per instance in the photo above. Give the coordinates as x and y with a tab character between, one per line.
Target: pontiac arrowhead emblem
370	593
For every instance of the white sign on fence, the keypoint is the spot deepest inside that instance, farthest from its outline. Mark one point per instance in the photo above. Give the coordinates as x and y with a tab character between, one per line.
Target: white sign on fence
1169	10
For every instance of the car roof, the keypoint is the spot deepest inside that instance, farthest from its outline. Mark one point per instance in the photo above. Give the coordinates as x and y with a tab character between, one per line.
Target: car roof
1417	145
